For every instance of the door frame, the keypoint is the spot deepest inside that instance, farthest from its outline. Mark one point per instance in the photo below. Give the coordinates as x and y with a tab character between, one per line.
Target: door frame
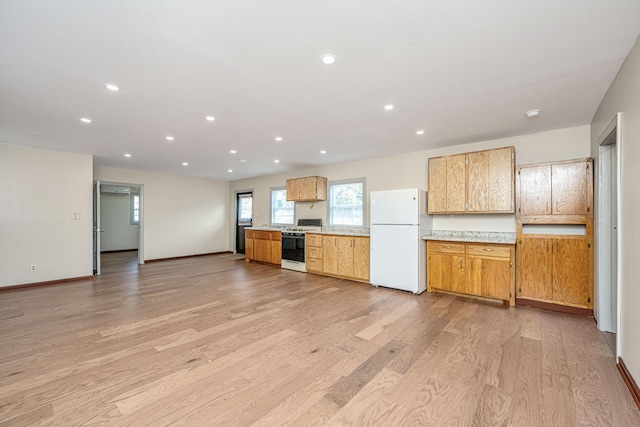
608	321
235	215
141	218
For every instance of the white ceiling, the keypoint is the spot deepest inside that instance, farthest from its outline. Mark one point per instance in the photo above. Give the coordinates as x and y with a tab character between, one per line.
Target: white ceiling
462	70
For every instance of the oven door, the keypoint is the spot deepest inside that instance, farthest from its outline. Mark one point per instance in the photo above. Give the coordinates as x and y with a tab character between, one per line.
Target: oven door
293	247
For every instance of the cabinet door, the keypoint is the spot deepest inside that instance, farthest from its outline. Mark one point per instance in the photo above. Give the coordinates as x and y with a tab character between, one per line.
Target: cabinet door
276	251
534	268
456	183
345	256
361	256
478	181
571	271
447	272
293	190
262	250
535	190
490	277
569	188
490	185
248	247
330	254
501	179
437	194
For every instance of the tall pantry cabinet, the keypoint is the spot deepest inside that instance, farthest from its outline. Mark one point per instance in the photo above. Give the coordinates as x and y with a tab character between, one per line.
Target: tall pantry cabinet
554	219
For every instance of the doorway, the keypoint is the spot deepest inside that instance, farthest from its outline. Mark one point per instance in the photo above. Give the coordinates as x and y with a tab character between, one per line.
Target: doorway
244	217
118	224
608	228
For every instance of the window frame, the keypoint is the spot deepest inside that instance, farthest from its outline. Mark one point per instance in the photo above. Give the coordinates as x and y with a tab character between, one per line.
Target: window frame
133	210
271	211
330	184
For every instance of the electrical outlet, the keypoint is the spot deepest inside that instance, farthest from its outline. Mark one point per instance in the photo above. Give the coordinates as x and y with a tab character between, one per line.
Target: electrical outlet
33	268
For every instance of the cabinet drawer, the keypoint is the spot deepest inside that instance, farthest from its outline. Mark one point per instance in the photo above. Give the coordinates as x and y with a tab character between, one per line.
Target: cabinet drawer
276	235
314	264
314	252
492	251
446	247
262	235
249	234
314	240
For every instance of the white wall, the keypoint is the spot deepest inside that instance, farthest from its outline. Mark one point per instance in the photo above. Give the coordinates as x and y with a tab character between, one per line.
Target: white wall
182	215
624	96
115	219
410	170
42	190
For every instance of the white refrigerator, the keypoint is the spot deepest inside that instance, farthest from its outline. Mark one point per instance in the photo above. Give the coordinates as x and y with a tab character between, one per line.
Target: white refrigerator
398	253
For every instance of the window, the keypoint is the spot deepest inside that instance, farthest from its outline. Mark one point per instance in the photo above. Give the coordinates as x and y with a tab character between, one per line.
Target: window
346	203
281	211
135	209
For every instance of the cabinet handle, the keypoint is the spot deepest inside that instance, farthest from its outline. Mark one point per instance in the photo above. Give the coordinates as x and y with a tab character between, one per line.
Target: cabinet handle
447	247
557	208
488	250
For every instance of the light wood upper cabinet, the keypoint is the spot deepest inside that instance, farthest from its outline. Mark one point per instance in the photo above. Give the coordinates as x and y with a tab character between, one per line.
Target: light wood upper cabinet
309	189
456	183
437	194
535	190
569	188
477	182
490	176
555	190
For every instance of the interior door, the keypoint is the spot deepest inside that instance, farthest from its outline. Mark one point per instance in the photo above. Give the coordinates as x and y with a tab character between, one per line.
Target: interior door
244	218
97	230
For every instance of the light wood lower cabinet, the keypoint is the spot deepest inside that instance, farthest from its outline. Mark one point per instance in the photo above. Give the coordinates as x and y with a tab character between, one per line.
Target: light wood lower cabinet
484	269
555	269
338	255
263	246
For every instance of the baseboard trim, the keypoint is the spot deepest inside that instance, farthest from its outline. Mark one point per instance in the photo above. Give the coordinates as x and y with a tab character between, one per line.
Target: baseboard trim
186	256
555	307
629	381
118	250
47	283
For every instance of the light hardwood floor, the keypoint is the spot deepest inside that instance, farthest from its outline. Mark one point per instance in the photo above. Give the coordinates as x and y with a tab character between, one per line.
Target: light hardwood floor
216	341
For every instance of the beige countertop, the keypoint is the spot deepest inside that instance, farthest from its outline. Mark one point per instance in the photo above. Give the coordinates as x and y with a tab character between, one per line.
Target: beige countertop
341	231
471	236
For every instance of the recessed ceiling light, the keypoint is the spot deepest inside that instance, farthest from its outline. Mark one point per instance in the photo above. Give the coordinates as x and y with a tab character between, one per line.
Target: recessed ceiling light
233	151
323	151
85	120
532	113
276	161
419	132
328	59
388	107
170	138
112	87
127	155
278	138
229	170
185	163
243	160
210	118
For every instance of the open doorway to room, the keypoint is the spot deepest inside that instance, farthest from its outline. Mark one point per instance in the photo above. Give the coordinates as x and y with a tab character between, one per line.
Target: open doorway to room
244	217
609	146
118	226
